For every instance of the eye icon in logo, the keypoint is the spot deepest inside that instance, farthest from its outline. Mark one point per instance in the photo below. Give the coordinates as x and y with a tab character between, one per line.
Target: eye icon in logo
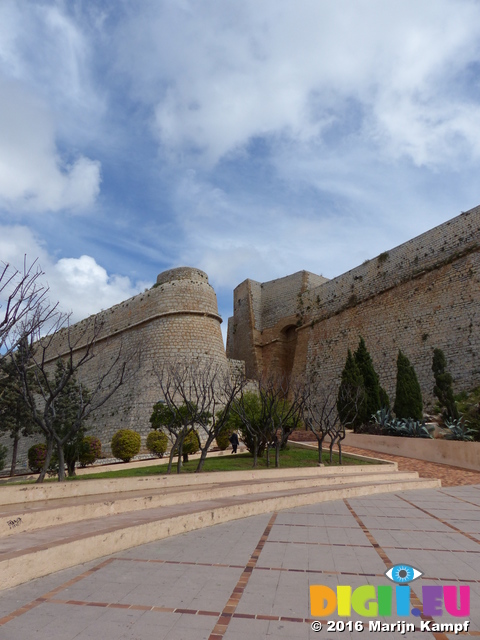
403	573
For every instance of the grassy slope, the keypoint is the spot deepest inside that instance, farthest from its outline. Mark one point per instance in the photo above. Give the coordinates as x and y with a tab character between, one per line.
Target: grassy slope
292	457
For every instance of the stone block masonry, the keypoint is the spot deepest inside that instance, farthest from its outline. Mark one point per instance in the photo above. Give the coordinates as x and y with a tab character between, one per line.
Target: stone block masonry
421	295
175	320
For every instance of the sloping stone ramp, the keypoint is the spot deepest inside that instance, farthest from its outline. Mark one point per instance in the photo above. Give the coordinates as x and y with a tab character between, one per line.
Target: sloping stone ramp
45	528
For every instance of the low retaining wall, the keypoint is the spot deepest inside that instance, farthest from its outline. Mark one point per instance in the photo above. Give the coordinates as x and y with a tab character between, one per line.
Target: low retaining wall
458	454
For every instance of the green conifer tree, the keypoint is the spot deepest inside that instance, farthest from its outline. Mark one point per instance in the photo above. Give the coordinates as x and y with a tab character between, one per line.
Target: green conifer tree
15	415
351	386
371	400
443	385
408	395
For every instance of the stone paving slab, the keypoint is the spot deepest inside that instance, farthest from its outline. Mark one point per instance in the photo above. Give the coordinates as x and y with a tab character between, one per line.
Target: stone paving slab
249	579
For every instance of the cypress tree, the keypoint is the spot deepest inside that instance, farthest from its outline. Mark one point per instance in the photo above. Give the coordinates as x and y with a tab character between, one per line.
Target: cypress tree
408	396
384	399
350	400
443	385
371	403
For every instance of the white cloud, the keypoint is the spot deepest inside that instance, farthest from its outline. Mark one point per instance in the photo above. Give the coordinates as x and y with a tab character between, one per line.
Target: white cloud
33	176
80	285
44	92
220	74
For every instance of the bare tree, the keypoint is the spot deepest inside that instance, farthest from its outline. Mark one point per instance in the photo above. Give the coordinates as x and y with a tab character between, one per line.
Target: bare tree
196	395
248	412
283	399
76	347
22	302
322	417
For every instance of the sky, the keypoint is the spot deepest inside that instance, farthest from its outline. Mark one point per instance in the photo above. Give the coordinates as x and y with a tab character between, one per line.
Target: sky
250	139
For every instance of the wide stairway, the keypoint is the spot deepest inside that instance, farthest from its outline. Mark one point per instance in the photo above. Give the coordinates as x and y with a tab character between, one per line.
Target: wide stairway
45	528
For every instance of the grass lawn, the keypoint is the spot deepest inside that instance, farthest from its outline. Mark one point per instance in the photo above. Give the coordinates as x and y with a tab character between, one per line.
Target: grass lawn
292	457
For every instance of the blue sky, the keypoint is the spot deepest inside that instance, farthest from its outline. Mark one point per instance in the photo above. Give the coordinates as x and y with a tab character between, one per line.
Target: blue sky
251	139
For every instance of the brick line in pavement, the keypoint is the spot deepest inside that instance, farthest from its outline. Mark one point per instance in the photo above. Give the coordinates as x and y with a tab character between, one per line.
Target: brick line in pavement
388	563
230	608
447	524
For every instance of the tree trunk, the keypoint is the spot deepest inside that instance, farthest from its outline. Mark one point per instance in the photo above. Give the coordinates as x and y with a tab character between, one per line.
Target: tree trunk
171	456
277	455
61	463
41	477
71	468
339	452
268	456
203	455
180	451
320	451
14	454
255	453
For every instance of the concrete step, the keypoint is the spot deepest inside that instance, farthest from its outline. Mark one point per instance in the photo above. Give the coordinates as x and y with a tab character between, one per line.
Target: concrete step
16	518
32	554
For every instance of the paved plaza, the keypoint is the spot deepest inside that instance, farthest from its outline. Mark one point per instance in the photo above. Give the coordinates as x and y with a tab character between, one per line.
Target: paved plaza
249	579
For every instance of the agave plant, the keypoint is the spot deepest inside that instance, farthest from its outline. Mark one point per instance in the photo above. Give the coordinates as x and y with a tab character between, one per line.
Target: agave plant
409	428
458	430
382	418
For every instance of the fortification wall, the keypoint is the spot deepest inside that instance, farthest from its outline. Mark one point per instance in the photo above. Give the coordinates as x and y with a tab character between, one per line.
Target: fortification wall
176	320
262	313
409	261
421	295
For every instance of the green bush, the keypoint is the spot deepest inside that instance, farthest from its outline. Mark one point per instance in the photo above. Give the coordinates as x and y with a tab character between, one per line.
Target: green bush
443	385
90	450
37	455
157	443
222	439
469	407
191	444
126	444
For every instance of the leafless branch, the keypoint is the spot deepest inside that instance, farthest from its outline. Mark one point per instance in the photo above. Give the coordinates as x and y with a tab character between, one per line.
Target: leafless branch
22	302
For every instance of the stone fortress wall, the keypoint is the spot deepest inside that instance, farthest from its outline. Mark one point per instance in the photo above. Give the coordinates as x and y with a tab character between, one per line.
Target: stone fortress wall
421	295
175	320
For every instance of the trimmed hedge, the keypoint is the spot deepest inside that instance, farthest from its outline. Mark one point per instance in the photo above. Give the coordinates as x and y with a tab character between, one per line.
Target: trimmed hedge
37	455
222	439
157	443
90	450
126	444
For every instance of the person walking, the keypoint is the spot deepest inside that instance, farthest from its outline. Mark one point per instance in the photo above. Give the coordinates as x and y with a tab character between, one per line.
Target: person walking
234	442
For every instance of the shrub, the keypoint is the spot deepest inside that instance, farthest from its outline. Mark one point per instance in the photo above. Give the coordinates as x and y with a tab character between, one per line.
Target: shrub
469	407
443	385
222	438
90	450
37	455
191	444
408	428
157	443
126	444
458	430
408	396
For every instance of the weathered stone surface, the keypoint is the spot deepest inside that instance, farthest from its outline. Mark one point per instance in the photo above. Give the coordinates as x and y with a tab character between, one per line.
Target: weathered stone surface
176	319
421	295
